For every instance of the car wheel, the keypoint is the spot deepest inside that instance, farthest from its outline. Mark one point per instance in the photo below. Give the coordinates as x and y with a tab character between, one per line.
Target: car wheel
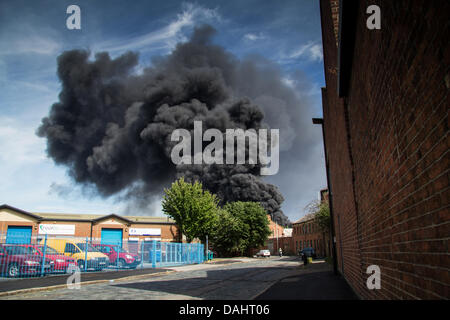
121	264
13	270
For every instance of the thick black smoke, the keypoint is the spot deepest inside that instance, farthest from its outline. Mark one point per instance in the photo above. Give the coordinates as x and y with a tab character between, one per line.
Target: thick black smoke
112	128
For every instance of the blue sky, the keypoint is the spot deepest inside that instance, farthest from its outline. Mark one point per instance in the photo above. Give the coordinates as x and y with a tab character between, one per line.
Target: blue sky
34	33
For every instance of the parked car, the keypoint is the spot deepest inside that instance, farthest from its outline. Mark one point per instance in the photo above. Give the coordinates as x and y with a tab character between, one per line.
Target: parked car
15	261
82	252
309	252
263	253
118	256
60	261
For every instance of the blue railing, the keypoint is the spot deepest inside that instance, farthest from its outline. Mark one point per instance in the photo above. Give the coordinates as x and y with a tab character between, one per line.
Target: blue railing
48	254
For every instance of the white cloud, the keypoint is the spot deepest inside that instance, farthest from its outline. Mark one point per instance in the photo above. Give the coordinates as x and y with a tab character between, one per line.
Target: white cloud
254	37
20	144
166	37
310	50
25	41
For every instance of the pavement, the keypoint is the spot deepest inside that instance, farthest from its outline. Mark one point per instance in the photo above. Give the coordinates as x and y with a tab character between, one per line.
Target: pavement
317	282
222	279
8	285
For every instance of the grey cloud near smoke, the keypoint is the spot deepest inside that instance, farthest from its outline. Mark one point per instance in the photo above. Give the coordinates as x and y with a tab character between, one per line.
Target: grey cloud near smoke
112	128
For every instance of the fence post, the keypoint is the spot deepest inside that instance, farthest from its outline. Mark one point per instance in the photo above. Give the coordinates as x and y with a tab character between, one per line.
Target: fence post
117	257
85	254
43	256
153	254
172	252
142	254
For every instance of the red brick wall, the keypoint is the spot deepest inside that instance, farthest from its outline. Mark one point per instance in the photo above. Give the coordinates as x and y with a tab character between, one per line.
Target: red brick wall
387	147
312	236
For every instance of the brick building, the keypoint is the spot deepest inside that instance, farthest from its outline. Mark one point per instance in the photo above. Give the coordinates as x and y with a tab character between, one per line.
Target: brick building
385	121
132	228
279	237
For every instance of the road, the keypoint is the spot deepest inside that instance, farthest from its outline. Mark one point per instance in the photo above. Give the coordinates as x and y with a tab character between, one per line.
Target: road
237	279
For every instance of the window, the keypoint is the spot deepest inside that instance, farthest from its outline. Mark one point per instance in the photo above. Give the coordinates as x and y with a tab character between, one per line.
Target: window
70	248
12	250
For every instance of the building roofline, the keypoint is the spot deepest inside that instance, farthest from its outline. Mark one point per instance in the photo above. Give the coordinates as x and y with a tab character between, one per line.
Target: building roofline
90	219
5	206
111	216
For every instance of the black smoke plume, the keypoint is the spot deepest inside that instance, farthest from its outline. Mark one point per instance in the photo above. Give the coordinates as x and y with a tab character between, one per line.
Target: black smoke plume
112	126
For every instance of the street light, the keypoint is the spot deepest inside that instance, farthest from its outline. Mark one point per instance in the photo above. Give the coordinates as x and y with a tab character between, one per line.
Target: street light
330	195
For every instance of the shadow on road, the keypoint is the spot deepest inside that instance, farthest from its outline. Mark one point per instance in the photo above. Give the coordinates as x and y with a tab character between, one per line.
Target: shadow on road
321	285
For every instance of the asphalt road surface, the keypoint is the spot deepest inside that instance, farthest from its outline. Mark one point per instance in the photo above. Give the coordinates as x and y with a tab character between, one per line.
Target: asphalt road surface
232	279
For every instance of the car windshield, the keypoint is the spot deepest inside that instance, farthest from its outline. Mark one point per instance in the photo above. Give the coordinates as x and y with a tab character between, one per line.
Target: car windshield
90	248
48	250
11	250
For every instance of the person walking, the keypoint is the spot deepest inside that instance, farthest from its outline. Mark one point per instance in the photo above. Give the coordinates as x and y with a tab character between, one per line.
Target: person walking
280	252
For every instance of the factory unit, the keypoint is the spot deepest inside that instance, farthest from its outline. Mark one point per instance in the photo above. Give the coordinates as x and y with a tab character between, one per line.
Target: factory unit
19	224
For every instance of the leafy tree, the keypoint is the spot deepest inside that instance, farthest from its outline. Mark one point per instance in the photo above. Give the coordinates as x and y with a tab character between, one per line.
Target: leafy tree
193	209
227	237
323	217
254	220
321	212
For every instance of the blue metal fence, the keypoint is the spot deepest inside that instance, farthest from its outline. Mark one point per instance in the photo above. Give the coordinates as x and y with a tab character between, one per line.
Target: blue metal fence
22	255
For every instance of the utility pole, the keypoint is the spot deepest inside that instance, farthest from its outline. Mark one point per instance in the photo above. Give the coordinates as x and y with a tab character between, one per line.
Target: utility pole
276	230
207	248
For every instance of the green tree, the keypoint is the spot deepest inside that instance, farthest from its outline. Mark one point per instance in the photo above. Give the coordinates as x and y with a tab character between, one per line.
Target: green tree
323	217
321	212
227	237
193	209
254	220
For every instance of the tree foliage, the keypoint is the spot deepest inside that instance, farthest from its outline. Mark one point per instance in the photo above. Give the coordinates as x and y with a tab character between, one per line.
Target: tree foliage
227	238
193	209
254	220
231	230
321	212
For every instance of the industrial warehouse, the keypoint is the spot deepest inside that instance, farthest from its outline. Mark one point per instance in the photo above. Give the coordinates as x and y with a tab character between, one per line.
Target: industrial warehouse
33	244
16	222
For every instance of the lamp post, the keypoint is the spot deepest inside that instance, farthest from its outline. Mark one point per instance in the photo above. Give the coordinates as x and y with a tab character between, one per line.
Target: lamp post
330	195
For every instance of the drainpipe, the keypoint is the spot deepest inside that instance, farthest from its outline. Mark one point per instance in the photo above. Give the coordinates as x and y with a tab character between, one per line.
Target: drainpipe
330	195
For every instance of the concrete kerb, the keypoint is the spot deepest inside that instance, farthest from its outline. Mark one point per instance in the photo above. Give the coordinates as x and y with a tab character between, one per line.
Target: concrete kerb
129	278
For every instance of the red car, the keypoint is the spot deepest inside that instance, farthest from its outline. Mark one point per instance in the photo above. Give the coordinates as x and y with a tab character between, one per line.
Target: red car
60	261
15	260
119	257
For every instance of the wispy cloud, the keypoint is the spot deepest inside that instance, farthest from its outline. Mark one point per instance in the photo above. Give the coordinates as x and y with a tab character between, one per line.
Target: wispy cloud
311	50
166	37
21	145
32	44
254	36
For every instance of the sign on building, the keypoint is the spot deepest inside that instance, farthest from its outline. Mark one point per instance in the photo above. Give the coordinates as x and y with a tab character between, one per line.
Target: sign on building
61	229
144	232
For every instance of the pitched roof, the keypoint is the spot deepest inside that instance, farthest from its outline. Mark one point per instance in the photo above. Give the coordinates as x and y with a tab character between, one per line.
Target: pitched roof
98	217
89	217
5	206
307	217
